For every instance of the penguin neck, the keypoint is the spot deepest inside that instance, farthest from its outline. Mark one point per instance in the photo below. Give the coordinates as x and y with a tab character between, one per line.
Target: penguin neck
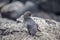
27	19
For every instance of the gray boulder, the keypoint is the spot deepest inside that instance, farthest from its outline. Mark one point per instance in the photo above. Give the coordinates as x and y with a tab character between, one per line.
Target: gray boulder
12	10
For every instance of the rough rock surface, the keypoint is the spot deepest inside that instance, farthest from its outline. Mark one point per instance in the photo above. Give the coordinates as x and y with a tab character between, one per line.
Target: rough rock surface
10	30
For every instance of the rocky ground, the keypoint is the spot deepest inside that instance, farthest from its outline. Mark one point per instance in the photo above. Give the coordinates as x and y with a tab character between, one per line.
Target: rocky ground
11	30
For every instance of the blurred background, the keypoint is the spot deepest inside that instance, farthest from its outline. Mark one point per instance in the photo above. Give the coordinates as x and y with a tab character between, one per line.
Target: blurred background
48	9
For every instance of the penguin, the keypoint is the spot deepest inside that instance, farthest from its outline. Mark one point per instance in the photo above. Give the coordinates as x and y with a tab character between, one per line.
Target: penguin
30	24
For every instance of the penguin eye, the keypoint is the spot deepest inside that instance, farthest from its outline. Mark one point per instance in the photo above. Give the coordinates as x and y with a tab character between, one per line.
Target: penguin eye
29	14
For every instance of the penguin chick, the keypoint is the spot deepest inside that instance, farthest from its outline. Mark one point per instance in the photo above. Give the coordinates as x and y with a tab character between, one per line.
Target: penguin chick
30	24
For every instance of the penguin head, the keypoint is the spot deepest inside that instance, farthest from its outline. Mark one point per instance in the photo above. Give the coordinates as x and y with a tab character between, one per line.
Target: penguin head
27	14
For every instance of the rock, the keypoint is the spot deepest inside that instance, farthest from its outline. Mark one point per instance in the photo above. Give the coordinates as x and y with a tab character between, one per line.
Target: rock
12	6
12	10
